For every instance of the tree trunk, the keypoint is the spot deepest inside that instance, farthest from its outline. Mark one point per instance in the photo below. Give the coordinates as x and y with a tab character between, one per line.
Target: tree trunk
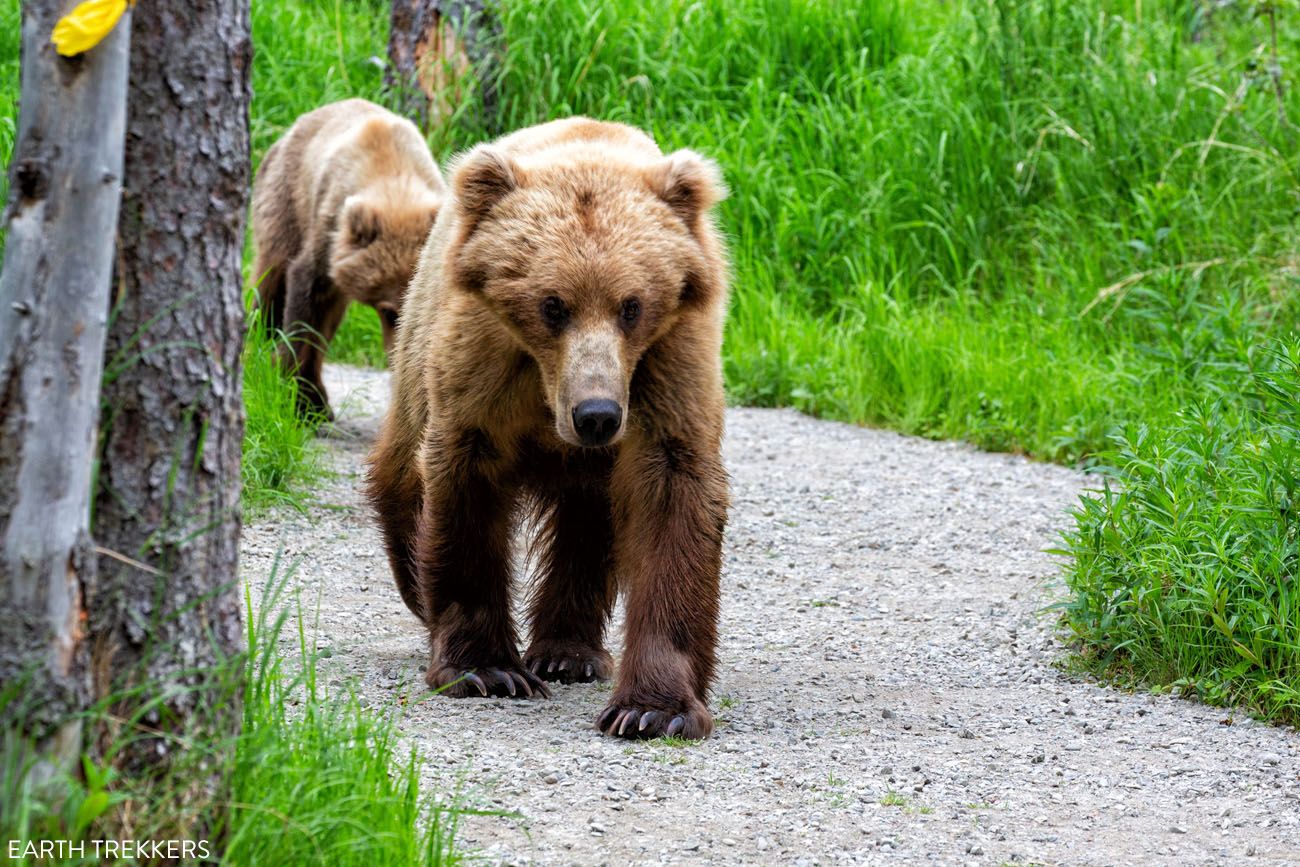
169	473
54	289
432	46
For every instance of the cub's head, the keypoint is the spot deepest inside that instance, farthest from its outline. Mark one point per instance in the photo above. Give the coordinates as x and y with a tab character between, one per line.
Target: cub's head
376	248
588	258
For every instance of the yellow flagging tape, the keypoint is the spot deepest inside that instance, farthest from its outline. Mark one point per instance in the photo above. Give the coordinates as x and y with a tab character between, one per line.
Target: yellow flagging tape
86	25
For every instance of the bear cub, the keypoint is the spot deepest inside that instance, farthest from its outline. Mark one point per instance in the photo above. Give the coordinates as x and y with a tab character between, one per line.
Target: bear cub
559	362
342	204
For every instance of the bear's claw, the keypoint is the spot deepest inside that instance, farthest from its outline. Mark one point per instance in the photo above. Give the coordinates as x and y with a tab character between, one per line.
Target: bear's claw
492	681
568	663
632	722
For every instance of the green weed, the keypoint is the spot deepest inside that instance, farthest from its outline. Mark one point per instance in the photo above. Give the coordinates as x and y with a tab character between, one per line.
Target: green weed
1183	562
921	216
893	799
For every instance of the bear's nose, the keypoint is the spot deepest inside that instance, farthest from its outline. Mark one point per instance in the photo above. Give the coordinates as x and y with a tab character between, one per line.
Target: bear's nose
597	420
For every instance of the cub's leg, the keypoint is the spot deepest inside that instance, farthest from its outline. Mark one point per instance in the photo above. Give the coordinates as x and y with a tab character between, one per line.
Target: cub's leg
670	507
572	602
313	311
463	569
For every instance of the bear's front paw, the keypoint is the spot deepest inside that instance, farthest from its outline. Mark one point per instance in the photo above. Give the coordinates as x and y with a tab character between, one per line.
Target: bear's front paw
461	681
568	661
629	718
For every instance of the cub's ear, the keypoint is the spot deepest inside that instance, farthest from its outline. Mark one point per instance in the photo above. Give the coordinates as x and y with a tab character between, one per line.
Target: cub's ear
481	178
689	183
361	222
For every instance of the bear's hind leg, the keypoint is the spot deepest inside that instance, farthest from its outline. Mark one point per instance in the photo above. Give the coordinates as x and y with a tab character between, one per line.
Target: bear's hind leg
393	487
463	571
575	592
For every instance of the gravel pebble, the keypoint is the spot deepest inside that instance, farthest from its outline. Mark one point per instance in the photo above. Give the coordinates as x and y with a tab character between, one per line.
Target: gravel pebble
868	577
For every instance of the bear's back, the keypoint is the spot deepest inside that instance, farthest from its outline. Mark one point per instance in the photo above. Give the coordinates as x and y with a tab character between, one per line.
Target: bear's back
350	145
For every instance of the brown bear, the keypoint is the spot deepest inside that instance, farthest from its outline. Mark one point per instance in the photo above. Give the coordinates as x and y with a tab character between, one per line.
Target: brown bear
559	360
342	205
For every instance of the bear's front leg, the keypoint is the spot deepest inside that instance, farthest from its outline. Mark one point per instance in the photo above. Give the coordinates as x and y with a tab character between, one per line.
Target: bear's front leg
671	511
463	570
573	600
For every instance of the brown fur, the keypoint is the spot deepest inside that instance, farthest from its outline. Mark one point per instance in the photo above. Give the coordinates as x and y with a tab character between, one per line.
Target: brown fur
342	206
482	429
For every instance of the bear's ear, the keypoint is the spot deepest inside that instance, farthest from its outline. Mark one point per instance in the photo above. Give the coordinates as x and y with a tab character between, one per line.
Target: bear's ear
481	178
689	183
361	222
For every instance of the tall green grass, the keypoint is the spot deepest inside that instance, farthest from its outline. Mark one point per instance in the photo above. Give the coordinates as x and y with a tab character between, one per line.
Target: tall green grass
317	777
307	53
280	460
927	197
313	776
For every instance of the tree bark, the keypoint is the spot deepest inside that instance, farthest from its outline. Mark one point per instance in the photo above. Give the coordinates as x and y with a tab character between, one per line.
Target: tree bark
65	186
432	47
169	473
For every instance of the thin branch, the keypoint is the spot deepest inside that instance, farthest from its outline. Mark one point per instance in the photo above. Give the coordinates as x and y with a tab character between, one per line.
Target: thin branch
122	558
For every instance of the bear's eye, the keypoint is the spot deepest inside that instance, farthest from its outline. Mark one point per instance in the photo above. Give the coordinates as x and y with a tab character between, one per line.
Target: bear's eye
631	311
554	312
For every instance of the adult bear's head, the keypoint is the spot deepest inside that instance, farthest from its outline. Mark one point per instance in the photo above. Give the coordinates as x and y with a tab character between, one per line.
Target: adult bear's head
588	252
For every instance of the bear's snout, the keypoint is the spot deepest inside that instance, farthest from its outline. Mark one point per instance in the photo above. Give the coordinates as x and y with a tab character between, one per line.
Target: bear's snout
597	421
590	395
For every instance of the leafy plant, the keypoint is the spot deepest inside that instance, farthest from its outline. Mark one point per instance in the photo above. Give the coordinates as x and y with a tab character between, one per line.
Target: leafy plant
1184	563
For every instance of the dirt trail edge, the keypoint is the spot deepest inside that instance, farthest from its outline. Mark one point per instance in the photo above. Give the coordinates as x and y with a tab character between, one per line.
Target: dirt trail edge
887	688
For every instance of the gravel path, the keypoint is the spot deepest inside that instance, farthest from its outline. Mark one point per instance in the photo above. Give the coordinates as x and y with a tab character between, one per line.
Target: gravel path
887	690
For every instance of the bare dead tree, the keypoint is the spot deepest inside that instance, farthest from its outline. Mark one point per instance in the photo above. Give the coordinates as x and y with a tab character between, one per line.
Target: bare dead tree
169	477
65	181
433	46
